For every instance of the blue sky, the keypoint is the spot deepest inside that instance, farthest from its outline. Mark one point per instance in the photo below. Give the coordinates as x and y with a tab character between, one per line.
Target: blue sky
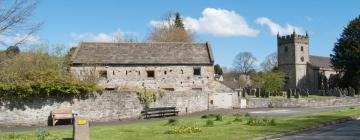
70	21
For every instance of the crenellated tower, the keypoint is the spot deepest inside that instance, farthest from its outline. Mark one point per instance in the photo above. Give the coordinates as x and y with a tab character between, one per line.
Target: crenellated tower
293	57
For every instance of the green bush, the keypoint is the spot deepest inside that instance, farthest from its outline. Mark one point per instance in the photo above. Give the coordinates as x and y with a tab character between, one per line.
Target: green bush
219	117
253	121
37	73
204	116
209	123
238	119
172	121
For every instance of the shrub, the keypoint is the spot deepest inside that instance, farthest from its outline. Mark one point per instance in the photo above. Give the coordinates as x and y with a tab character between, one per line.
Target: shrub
238	119
252	121
42	134
183	130
204	116
209	123
172	121
247	115
219	118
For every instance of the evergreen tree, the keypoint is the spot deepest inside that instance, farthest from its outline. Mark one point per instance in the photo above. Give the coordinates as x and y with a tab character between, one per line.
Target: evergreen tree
218	69
346	57
178	21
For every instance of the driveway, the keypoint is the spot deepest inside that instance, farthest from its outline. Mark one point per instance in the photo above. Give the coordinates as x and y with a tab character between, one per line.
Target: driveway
344	131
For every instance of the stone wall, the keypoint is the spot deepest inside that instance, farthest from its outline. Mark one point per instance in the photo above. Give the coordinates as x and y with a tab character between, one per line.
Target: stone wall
109	106
178	78
284	103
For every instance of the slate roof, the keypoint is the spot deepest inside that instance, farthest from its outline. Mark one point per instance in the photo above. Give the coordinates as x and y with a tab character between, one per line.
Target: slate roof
320	61
143	53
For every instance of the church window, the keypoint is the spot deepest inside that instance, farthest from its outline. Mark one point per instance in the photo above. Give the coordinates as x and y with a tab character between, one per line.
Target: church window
302	59
286	48
302	48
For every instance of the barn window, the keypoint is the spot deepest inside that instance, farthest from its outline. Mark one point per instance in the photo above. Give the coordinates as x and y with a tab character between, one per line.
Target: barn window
150	74
197	71
169	89
103	74
196	90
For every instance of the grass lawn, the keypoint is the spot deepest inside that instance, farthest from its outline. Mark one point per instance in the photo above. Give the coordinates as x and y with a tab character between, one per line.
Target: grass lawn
226	129
309	97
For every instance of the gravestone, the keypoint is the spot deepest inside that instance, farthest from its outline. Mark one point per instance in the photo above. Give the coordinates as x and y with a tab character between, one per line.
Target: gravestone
81	129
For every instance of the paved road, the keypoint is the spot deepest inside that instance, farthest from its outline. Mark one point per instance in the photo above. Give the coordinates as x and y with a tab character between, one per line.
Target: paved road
344	131
270	112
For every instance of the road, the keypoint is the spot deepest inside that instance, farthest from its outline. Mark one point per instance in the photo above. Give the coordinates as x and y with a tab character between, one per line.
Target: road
344	131
270	112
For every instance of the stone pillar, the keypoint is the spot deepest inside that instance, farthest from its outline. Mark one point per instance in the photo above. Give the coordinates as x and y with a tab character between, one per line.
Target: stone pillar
81	130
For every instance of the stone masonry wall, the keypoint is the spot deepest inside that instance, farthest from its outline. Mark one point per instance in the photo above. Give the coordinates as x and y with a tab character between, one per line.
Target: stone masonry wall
109	106
179	78
284	103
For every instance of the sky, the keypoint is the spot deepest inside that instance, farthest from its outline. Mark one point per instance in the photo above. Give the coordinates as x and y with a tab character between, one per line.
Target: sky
231	26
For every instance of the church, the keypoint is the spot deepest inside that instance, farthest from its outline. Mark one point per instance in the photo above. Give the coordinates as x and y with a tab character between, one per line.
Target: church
302	70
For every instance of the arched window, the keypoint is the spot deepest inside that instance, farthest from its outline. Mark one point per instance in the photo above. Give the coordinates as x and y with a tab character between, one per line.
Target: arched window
302	48
302	59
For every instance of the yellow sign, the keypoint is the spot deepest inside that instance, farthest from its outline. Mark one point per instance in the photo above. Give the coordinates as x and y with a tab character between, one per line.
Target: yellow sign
81	122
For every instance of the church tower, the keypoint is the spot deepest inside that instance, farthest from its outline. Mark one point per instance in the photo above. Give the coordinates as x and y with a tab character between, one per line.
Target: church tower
293	57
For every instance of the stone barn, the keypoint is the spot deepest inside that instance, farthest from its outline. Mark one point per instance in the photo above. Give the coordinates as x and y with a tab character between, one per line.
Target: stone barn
173	67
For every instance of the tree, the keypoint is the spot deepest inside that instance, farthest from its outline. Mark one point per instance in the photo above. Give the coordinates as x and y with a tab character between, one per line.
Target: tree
178	21
244	62
12	51
170	30
346	57
14	19
270	62
218	70
269	81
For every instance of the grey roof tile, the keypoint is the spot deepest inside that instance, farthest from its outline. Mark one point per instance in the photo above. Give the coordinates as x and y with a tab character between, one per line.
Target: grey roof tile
143	53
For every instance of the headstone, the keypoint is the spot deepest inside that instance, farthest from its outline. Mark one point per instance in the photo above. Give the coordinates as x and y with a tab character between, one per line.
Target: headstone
81	129
288	93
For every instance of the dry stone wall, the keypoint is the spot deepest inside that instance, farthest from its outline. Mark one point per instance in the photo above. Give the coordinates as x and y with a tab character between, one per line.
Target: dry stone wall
284	103
109	106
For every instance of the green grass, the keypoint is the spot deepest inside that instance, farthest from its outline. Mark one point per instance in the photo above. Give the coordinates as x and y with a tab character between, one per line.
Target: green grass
309	97
227	129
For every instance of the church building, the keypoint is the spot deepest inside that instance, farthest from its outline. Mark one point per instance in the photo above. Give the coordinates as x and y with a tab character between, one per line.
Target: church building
303	71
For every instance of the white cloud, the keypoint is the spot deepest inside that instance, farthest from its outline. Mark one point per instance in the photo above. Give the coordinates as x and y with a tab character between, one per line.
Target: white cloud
276	28
101	37
13	39
217	22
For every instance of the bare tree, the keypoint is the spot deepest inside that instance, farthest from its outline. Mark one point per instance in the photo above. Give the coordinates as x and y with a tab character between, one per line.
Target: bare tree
169	30
14	19
244	62
270	62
